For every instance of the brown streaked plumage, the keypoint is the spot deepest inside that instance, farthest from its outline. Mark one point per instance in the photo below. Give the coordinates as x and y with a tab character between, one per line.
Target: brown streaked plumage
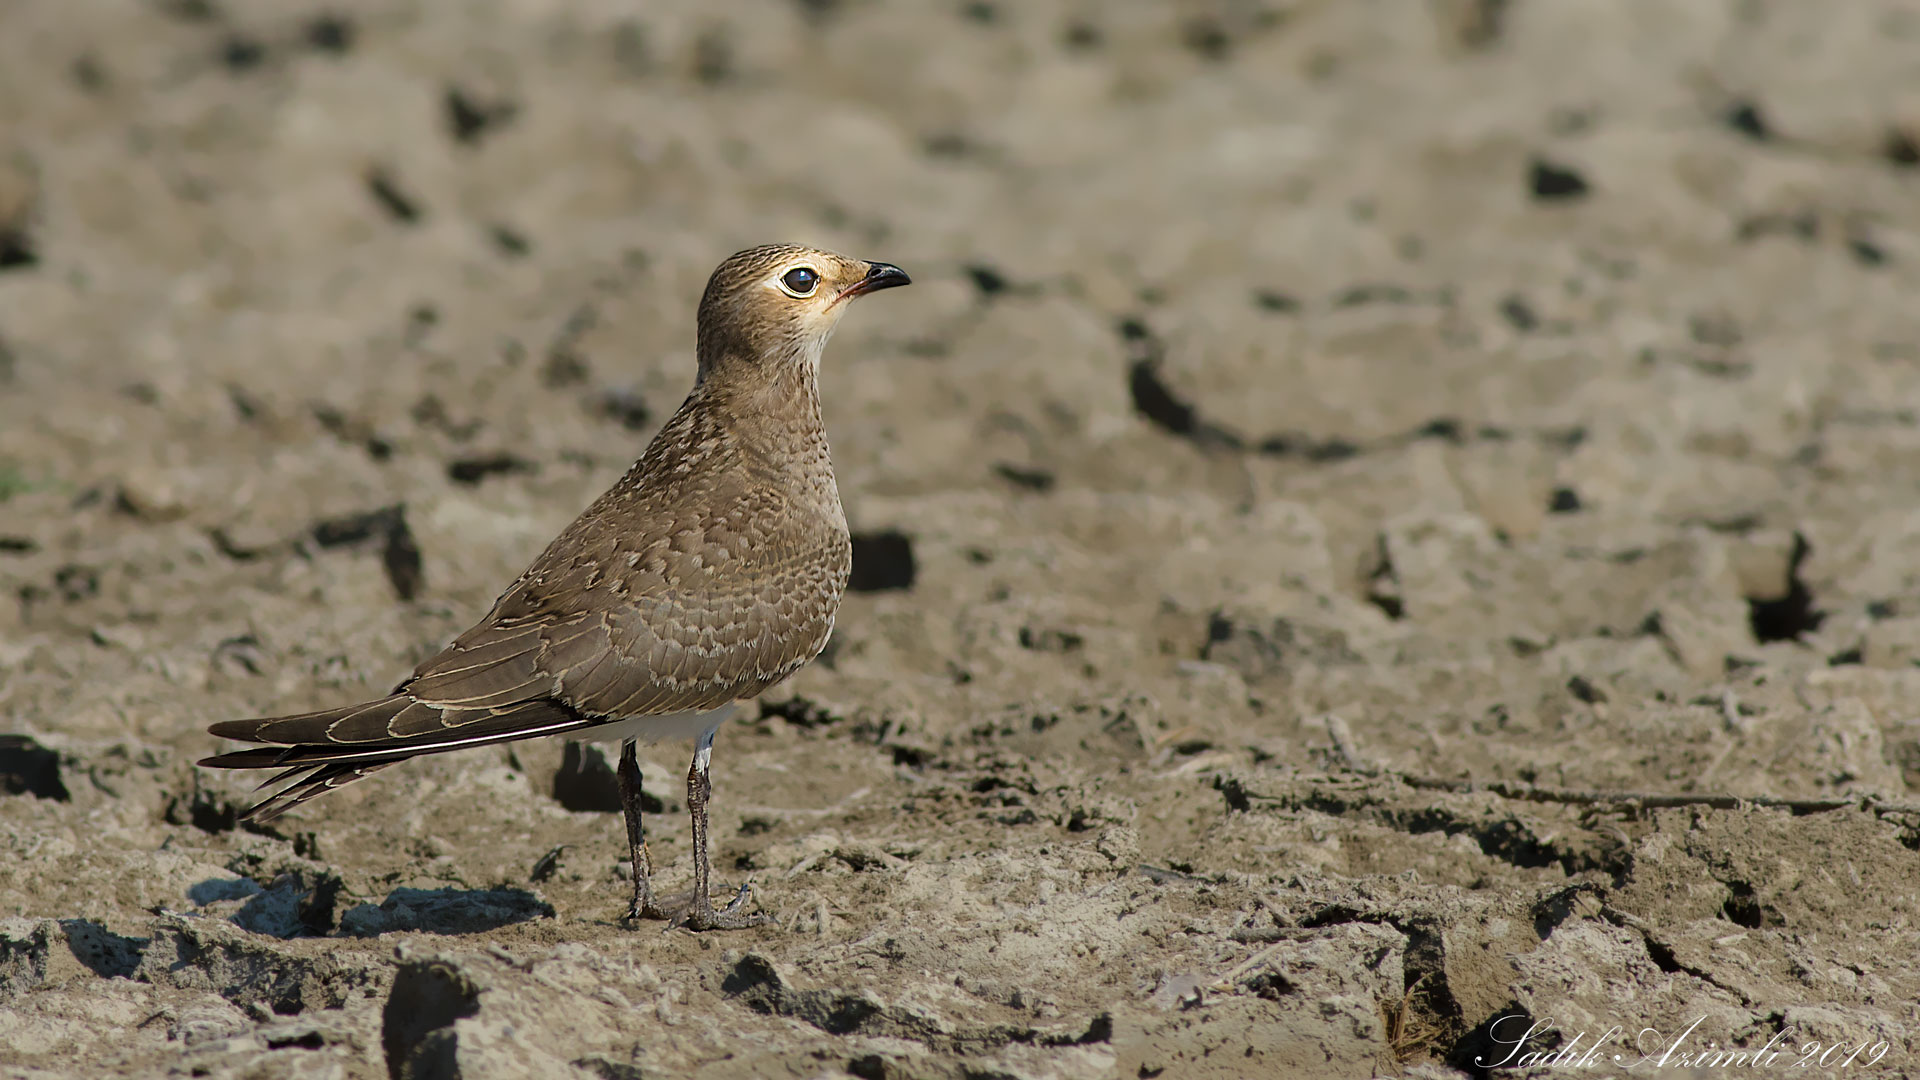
709	572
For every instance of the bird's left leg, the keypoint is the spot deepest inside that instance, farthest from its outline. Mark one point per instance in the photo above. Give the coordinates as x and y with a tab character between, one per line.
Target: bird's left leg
700	913
644	905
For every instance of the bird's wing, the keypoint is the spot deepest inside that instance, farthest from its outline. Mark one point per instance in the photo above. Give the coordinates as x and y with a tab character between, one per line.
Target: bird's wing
324	750
710	608
391	727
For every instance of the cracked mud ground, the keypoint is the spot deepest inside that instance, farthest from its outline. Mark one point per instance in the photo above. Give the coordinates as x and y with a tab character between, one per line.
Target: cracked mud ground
1294	399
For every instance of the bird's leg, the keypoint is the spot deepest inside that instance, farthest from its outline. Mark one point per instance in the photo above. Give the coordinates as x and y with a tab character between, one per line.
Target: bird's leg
700	913
643	906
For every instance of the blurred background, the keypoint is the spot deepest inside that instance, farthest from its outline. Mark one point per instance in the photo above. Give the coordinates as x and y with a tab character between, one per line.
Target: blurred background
1528	386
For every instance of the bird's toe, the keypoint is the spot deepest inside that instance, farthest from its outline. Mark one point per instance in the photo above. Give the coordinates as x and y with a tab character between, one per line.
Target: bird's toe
702	915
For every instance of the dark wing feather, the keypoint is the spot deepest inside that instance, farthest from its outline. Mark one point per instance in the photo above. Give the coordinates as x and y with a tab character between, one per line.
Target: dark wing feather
309	738
306	782
316	764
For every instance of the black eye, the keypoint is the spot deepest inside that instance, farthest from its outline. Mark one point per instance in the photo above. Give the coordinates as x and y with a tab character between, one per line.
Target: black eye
801	280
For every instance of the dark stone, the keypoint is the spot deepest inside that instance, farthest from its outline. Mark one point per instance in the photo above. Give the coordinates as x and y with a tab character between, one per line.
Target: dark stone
471	470
801	712
713	57
1277	302
1519	314
625	407
1902	150
1745	118
242	54
1050	641
400	555
1360	295
1082	36
987	280
468	118
353	528
882	561
1039	480
1206	38
330	34
1585	691
16	247
27	768
386	191
1555	183
87	73
1866	252
511	242
1331	450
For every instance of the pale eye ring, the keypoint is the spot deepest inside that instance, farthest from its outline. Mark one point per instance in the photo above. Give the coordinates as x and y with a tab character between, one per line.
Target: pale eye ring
800	281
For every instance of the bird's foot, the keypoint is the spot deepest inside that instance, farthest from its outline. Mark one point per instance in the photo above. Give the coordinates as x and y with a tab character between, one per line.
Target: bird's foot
700	914
648	905
684	909
651	909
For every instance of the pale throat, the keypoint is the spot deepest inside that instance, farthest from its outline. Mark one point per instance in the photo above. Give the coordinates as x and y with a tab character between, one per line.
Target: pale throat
808	350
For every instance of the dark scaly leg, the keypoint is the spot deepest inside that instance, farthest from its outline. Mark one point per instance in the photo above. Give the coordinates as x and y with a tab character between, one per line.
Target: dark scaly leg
643	906
700	913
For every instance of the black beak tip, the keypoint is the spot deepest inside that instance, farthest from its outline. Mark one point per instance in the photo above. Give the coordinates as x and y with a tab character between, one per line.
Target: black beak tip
883	276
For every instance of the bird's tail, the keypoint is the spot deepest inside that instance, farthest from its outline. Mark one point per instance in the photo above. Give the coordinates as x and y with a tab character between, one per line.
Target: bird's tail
321	751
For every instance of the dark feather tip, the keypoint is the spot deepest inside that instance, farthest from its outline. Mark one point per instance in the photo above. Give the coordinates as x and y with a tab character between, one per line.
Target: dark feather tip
244	730
264	758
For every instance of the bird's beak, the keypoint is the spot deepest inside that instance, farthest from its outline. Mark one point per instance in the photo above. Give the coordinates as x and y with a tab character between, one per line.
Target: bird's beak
879	276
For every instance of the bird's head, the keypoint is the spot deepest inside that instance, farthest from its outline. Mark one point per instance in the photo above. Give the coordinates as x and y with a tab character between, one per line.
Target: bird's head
773	307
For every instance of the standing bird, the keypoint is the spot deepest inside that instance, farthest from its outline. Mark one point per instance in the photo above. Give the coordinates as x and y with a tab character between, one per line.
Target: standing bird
709	573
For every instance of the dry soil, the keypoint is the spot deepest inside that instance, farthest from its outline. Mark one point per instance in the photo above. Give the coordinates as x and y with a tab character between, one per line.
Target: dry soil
1315	426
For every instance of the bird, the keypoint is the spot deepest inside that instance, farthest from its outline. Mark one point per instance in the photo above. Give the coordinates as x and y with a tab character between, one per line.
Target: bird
711	571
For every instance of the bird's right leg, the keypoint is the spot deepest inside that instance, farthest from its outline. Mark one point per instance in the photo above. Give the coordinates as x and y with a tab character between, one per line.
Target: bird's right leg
700	914
643	906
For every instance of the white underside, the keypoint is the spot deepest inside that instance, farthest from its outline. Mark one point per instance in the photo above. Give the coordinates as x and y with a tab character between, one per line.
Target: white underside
651	729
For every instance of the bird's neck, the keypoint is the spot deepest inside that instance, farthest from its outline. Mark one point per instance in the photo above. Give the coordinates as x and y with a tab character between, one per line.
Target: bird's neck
784	396
760	432
760	422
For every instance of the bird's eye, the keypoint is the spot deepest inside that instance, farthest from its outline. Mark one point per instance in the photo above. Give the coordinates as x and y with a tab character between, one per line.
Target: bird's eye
800	281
